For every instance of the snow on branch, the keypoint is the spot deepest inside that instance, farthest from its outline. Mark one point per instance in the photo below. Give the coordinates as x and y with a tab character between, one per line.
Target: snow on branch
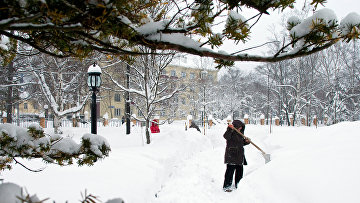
182	26
34	143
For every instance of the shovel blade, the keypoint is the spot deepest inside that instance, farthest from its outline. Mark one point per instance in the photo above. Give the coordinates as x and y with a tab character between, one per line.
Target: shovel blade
267	158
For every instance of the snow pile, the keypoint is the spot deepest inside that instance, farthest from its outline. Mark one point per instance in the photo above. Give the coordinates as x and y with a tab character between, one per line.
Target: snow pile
152	27
177	38
94	69
96	143
15	140
350	22
67	146
10	193
308	164
235	16
324	16
4	43
34	143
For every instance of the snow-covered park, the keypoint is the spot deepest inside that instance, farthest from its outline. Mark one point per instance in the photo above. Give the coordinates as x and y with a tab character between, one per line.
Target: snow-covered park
308	164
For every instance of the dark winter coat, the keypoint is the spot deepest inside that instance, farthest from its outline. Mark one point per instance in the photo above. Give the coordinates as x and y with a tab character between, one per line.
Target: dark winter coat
193	125
234	152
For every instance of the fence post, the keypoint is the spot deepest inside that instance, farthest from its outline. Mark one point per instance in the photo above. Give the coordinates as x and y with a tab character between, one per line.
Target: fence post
106	121
42	120
228	119
210	118
189	120
86	116
4	115
303	120
277	121
133	119
74	121
262	119
315	120
246	119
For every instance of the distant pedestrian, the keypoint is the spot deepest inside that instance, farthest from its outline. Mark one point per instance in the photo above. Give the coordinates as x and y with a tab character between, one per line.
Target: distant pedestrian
234	154
122	119
193	125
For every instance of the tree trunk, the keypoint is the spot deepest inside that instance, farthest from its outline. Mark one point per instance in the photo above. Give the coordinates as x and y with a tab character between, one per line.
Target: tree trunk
57	125
147	132
9	97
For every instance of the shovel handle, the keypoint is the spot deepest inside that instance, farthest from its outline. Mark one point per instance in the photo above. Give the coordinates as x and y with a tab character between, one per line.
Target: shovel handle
257	147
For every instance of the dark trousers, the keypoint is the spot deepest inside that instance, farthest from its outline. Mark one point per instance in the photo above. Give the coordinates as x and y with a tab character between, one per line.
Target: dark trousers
230	169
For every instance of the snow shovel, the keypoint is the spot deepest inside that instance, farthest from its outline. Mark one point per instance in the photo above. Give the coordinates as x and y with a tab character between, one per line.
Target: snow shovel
266	156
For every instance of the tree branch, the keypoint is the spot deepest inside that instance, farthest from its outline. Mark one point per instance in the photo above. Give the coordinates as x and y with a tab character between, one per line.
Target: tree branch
36	171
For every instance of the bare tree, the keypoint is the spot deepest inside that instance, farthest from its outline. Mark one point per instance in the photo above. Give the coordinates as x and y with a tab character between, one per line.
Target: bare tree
62	84
150	90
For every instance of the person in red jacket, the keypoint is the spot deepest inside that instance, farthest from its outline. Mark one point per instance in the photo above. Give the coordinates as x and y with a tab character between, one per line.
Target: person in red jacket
234	154
154	128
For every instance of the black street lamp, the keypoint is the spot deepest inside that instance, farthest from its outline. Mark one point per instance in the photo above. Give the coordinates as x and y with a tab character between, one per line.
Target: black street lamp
94	82
46	107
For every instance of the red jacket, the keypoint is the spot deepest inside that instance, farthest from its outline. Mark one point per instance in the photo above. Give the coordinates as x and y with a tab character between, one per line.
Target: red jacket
154	128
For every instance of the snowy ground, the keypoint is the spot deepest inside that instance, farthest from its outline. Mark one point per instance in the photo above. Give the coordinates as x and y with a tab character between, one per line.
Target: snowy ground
308	165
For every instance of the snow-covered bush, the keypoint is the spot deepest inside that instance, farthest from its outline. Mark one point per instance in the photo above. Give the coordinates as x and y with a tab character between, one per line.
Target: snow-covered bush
13	193
18	142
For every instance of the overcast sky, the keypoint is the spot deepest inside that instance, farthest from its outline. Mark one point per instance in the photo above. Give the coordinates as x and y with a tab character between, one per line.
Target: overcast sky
261	32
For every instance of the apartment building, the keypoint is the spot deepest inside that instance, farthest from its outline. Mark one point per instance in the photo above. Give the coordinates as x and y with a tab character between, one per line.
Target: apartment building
195	80
192	80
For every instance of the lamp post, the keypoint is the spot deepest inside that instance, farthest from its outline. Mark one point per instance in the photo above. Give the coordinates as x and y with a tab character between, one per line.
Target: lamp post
94	82
46	107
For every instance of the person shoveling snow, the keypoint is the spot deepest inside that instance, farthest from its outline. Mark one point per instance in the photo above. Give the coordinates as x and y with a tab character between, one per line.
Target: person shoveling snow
234	154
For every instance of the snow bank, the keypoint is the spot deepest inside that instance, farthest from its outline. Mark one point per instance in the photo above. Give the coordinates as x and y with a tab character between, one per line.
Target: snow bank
11	192
308	164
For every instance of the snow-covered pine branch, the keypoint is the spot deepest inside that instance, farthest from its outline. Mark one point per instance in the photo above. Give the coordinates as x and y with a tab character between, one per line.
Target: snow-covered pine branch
32	142
196	27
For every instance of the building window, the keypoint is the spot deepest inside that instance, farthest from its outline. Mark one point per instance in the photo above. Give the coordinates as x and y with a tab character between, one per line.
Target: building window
36	106
211	77
163	72
173	73
183	74
203	74
117	112
183	101
192	89
182	114
117	97
25	105
192	75
162	113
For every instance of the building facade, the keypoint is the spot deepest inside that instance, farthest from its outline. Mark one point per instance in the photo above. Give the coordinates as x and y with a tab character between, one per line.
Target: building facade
186	102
